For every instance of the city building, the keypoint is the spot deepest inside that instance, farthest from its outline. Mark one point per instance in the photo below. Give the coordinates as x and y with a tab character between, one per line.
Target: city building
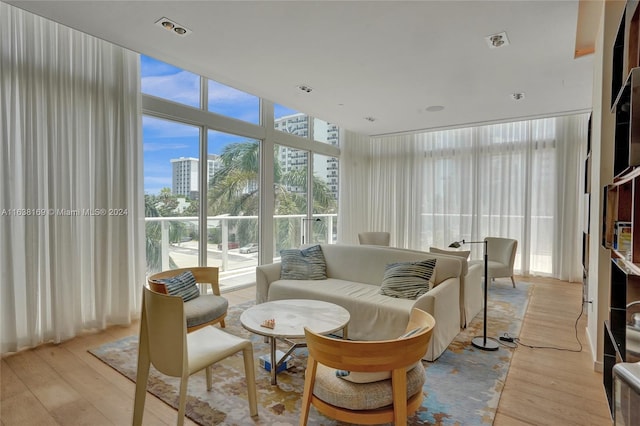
290	159
184	179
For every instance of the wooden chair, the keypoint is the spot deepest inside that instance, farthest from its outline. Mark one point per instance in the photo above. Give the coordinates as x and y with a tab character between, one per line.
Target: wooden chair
396	393
165	343
374	238
207	309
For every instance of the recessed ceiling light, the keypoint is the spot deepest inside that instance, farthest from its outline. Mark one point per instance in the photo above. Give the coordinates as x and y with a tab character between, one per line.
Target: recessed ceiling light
497	40
434	108
371	119
305	88
173	26
517	96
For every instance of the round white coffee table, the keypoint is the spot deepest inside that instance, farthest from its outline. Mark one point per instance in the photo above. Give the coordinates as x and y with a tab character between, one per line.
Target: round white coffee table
291	316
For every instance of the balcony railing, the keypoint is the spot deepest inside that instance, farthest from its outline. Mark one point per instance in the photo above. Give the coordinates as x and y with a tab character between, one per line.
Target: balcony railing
176	244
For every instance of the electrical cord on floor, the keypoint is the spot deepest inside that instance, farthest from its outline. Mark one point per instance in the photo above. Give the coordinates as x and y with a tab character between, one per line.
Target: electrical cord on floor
514	342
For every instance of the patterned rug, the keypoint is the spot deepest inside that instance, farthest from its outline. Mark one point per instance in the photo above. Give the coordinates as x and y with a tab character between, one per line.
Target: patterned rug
463	386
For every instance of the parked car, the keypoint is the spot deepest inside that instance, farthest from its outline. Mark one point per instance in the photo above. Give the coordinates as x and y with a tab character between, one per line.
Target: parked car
249	248
230	245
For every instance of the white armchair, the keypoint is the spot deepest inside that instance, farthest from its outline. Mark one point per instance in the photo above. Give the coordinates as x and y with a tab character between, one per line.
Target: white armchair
502	255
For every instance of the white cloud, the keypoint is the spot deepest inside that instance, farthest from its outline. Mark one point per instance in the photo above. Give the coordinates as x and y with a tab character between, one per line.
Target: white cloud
220	93
158	146
181	87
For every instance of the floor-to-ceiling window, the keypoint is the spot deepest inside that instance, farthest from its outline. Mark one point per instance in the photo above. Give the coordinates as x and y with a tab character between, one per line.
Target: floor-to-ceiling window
516	180
171	193
208	190
325	199
232	202
290	215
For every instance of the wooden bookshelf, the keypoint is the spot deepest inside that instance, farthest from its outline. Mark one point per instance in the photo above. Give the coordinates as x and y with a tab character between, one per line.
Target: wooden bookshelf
621	200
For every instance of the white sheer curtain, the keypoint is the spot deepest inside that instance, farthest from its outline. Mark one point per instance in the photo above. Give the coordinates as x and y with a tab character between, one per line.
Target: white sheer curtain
72	227
517	180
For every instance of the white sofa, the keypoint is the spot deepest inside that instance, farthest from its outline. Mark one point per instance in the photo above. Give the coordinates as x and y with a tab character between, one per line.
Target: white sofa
354	276
471	291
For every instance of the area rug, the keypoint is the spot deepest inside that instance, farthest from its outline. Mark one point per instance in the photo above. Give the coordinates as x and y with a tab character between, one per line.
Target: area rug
463	386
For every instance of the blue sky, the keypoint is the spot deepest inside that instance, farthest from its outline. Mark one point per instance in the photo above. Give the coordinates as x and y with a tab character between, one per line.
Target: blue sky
164	140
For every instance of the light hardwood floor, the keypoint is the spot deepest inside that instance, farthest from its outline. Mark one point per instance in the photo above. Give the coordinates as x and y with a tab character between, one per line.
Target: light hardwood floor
65	385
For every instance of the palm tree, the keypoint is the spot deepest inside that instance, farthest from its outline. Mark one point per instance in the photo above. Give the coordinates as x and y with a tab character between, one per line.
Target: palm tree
153	236
234	190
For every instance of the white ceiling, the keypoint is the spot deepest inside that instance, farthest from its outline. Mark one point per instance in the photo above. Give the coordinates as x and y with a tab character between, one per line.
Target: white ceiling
384	59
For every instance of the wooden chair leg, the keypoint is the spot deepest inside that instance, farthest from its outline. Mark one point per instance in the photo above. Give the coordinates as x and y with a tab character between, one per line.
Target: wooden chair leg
141	389
209	378
399	385
309	381
182	402
222	324
513	282
142	375
250	375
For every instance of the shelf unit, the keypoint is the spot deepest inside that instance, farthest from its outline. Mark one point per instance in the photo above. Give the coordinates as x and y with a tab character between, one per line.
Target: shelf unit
621	201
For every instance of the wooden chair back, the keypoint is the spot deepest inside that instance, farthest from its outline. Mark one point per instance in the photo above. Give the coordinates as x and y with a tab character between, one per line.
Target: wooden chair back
369	356
203	275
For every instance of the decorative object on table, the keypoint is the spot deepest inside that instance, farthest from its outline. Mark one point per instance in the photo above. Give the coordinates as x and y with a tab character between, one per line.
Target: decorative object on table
374	238
481	342
269	323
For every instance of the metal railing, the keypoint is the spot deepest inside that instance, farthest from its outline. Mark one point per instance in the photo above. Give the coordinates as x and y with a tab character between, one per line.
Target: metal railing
179	245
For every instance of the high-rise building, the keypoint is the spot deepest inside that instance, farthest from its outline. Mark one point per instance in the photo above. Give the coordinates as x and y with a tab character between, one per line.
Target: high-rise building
185	174
293	159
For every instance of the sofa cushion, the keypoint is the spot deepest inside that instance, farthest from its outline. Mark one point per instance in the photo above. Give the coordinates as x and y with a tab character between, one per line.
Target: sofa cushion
367	377
373	315
408	280
183	285
367	396
305	264
204	309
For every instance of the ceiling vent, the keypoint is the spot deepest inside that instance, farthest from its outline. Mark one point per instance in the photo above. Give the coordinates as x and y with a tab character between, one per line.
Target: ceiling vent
173	26
495	41
304	88
371	119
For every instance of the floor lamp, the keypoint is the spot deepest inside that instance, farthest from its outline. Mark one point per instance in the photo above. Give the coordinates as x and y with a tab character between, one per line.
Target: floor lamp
481	342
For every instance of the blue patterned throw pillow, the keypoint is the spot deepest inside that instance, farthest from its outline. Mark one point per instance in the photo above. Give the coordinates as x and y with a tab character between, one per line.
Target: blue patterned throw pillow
408	280
306	264
183	285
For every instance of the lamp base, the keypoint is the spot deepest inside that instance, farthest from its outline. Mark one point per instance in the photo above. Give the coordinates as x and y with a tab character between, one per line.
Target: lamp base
485	344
